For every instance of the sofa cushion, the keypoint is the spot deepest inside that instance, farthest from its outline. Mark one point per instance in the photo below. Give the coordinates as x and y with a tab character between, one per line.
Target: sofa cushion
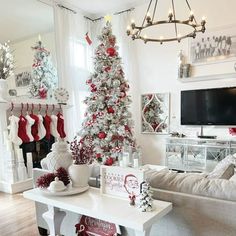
193	183
224	169
233	178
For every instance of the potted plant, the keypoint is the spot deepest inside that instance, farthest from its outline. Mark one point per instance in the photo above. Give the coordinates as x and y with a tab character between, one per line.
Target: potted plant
79	170
6	67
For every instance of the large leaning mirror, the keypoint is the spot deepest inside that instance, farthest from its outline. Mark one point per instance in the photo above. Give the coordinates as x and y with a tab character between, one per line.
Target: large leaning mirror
23	24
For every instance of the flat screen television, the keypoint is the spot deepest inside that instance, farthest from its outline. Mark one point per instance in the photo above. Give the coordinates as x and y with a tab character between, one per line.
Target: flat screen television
209	107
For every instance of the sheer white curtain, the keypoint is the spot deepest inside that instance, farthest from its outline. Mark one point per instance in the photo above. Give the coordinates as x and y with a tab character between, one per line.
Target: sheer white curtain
128	54
72	64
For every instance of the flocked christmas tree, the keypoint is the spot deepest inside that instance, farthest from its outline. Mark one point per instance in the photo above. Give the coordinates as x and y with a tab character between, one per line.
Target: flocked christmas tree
107	126
43	72
145	202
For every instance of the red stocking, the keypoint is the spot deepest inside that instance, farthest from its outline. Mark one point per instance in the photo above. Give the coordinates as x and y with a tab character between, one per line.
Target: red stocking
22	130
34	127
60	125
47	121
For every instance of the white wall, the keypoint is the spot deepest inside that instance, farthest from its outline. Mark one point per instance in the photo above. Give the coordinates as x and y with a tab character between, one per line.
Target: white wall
158	71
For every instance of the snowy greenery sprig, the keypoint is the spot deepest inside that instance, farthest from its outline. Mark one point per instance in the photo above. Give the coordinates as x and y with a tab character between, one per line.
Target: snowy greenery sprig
6	61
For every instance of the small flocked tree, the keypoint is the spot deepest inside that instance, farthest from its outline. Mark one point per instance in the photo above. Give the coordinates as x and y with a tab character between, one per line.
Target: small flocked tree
107	126
43	72
145	202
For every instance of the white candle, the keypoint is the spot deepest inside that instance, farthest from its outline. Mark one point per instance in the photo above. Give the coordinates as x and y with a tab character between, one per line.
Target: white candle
5	136
125	159
39	37
121	163
20	155
9	145
136	163
29	157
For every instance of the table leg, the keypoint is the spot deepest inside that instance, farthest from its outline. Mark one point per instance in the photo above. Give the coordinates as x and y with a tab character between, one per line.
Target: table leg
143	233
53	218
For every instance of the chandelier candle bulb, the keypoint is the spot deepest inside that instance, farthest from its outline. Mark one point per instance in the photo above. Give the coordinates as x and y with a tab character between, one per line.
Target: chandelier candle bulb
128	30
191	16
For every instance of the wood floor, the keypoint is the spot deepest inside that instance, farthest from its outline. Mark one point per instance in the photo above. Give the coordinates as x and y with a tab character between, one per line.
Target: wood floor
17	216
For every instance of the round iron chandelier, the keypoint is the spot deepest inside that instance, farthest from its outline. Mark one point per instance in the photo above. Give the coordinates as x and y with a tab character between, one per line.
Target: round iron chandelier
136	32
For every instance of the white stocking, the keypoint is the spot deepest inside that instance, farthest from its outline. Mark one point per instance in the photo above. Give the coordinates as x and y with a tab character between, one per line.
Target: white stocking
28	127
13	127
53	127
41	128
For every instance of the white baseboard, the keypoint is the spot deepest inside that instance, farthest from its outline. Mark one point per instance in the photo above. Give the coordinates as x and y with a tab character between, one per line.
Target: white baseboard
16	187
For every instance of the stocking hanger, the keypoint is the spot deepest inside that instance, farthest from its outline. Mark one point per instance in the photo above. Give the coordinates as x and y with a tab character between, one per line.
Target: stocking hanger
27	107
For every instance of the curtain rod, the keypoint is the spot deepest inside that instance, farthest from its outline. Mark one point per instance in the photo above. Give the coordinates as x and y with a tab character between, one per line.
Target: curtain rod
116	13
61	6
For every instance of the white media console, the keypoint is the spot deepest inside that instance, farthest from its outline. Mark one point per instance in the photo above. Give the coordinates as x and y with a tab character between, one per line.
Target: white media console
197	154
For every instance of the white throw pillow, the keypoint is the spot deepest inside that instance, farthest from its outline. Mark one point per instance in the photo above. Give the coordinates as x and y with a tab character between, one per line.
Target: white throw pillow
224	169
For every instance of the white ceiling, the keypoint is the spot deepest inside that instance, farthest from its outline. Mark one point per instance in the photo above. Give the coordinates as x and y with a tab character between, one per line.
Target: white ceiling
98	7
20	19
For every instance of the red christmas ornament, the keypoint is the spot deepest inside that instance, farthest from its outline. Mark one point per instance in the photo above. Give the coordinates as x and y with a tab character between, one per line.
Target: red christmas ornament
111	52
93	88
112	41
102	135
94	117
108	68
42	93
110	110
109	161
98	155
122	94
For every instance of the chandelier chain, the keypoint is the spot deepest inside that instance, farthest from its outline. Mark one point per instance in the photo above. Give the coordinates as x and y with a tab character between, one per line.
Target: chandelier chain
154	11
173	8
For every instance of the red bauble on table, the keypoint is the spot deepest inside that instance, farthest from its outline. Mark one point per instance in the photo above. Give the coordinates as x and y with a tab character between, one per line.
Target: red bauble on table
102	135
110	110
109	161
111	52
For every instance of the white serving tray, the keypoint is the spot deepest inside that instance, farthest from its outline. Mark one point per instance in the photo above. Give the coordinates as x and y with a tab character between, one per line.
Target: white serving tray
66	192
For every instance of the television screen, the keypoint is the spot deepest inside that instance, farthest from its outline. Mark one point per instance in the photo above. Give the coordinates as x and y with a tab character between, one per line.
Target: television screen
209	107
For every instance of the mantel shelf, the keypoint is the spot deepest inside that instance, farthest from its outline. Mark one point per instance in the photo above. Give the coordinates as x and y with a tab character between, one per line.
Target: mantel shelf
209	77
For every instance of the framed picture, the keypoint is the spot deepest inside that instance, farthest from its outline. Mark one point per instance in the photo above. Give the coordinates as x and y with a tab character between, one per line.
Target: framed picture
214	46
23	76
121	182
155	113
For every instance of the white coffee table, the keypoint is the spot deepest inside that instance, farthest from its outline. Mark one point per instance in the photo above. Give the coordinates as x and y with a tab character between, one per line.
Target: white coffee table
92	203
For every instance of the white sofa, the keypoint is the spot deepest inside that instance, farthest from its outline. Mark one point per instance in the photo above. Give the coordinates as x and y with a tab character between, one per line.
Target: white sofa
194	215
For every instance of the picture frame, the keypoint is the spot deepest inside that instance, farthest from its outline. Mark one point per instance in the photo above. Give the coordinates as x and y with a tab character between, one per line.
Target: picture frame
215	45
215	57
155	113
22	78
120	182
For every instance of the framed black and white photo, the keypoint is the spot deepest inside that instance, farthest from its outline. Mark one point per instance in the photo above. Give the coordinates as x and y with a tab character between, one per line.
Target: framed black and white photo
23	77
21	80
213	46
212	55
